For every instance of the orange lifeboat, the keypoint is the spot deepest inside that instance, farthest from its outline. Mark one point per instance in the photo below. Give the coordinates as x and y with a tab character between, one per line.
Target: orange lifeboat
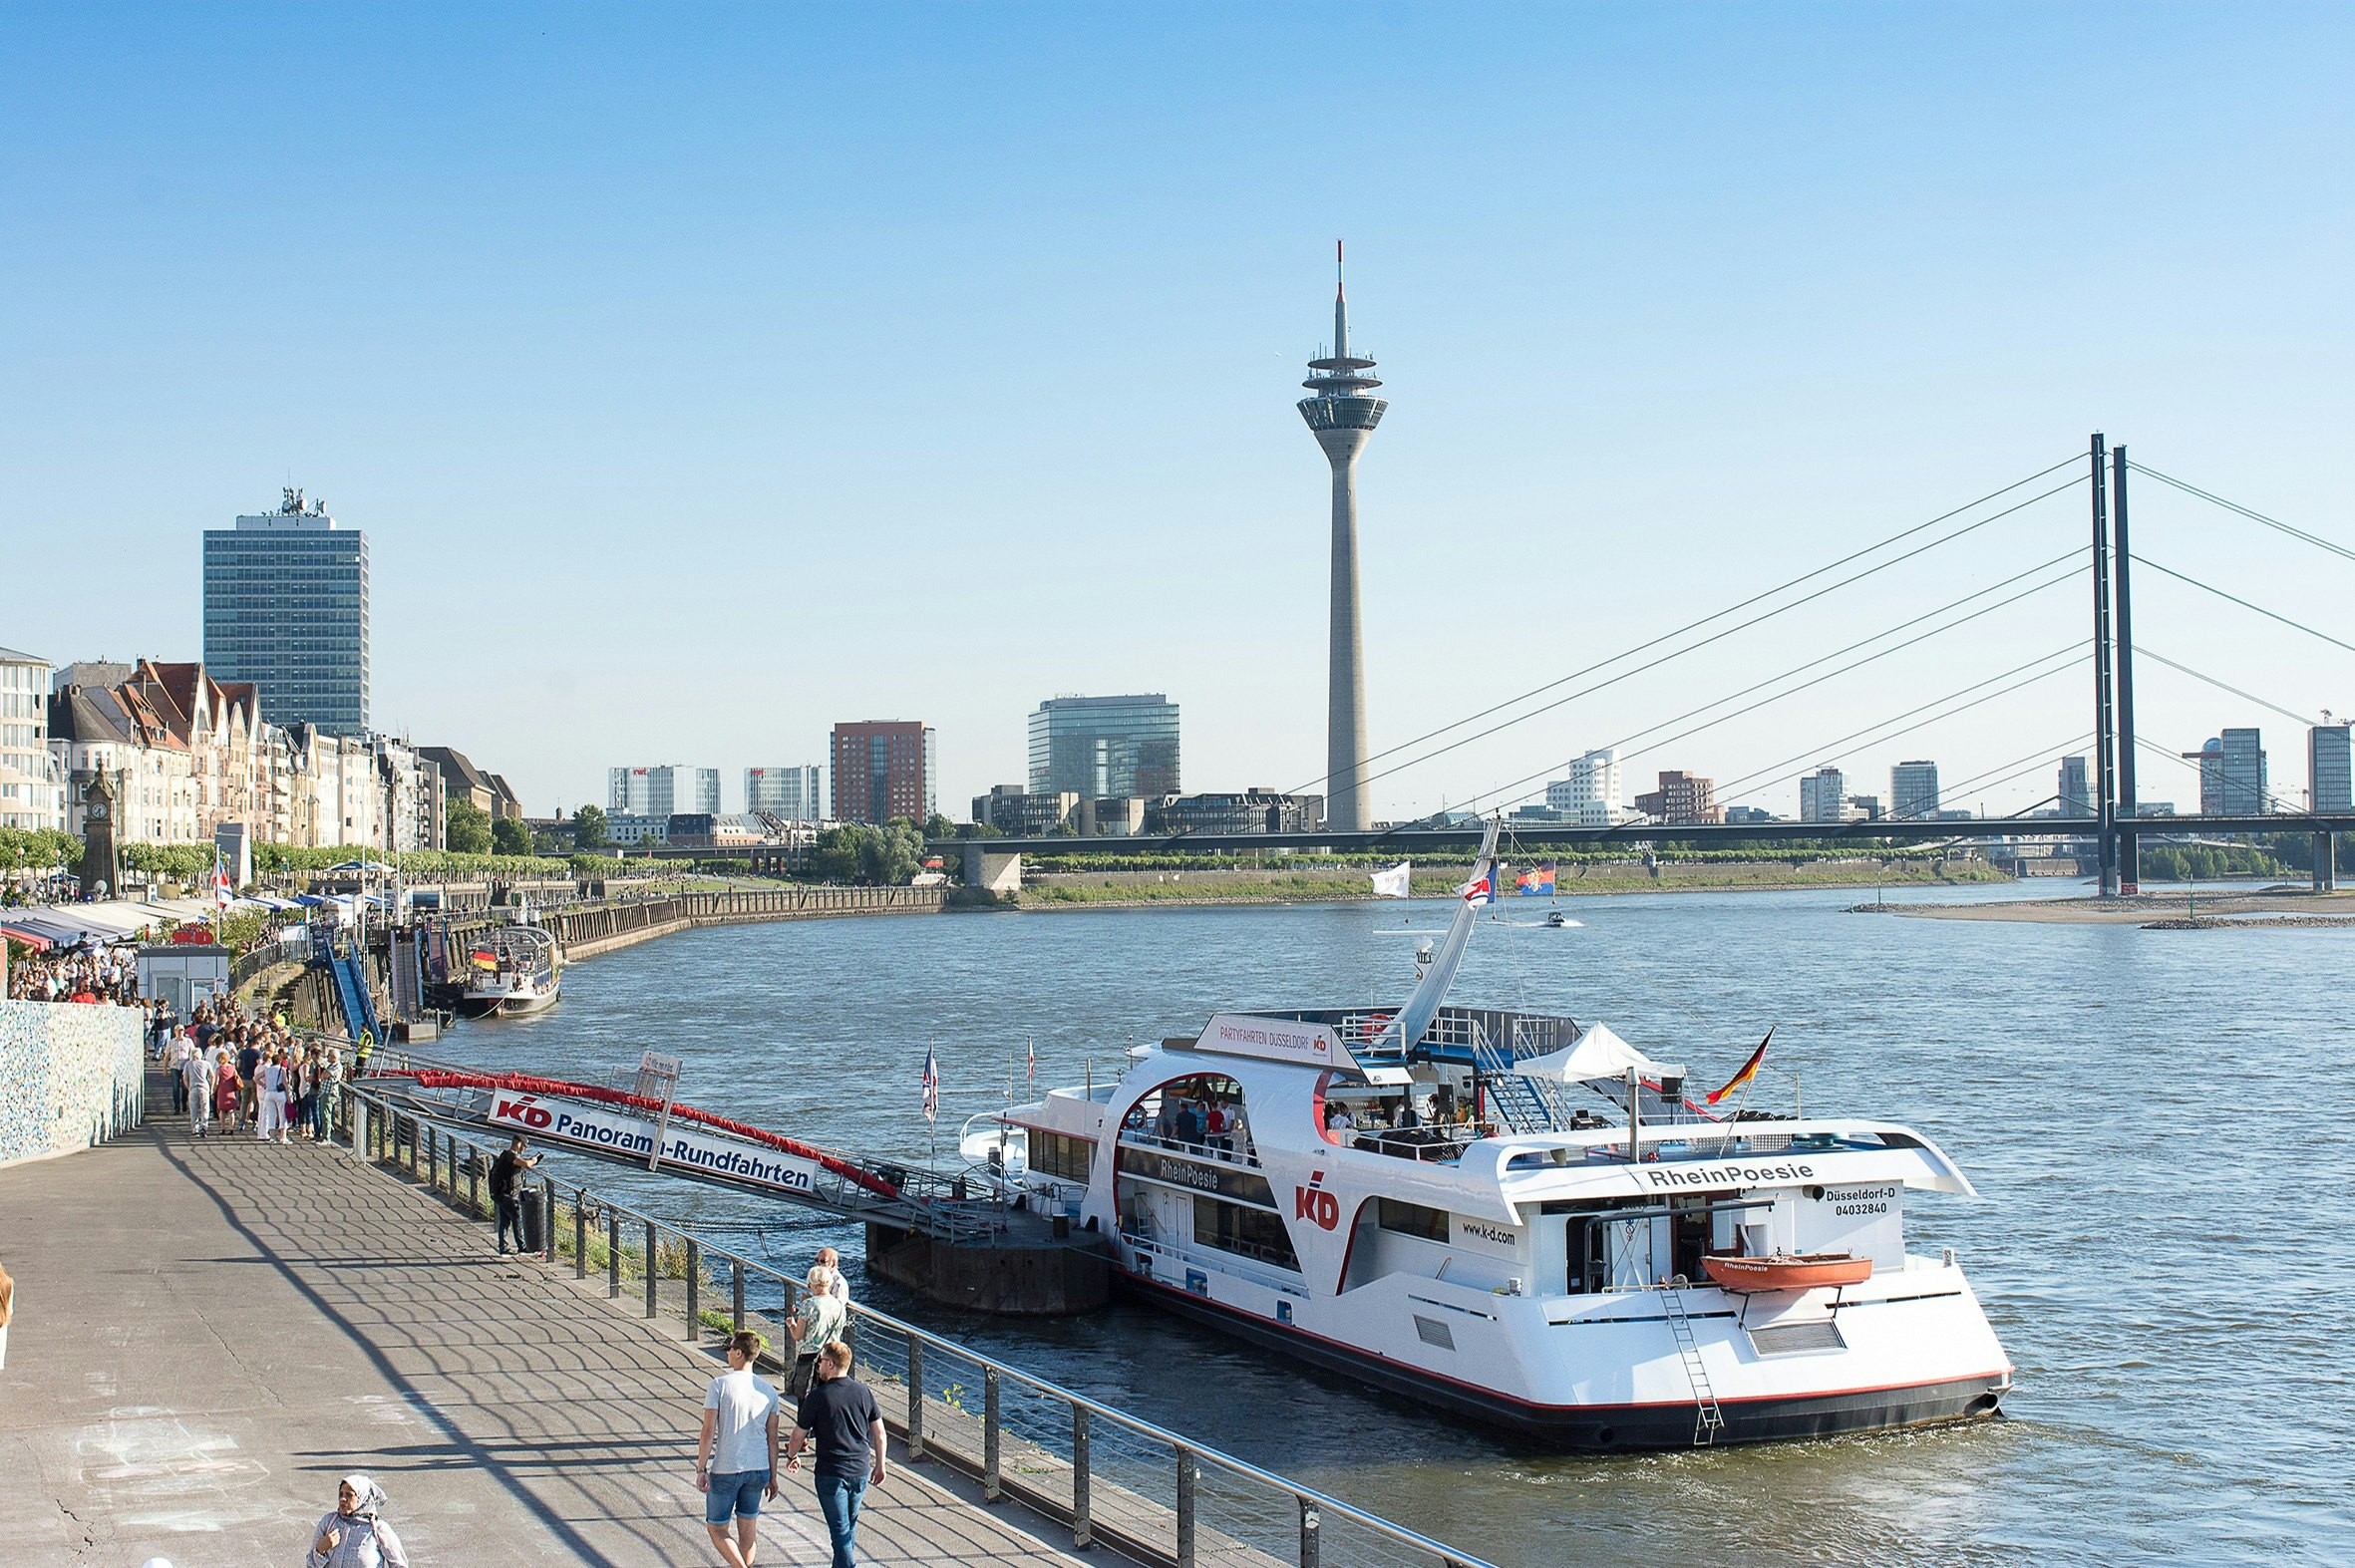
1787	1271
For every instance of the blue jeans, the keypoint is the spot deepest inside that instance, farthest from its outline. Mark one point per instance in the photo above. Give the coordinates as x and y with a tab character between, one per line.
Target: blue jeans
839	1497
736	1494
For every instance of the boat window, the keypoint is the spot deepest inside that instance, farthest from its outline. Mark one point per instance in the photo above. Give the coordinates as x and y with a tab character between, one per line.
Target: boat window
1204	1113
1249	1233
1061	1154
1411	1220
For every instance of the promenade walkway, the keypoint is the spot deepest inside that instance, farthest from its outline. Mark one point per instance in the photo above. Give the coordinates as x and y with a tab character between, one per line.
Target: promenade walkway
209	1333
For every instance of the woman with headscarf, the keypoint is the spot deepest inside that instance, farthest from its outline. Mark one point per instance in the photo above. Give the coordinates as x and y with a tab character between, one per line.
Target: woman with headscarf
353	1536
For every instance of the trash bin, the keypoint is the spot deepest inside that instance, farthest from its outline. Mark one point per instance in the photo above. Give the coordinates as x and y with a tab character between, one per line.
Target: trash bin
534	1201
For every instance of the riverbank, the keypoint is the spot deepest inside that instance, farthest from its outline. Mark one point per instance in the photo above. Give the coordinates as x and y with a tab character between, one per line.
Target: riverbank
1152	889
2270	906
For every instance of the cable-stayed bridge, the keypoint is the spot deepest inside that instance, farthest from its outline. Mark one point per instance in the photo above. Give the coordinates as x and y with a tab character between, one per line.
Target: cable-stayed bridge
2105	656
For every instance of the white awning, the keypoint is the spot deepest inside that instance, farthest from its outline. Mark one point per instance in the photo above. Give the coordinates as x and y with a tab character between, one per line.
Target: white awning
1595	1053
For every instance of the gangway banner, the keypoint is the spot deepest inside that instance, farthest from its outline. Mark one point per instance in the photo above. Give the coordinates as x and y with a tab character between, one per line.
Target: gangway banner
623	1133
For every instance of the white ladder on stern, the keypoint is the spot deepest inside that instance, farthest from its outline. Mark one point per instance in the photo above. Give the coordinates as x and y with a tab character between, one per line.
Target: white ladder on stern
1708	1418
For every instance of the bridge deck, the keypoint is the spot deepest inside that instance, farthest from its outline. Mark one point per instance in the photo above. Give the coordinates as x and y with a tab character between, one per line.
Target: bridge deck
208	1333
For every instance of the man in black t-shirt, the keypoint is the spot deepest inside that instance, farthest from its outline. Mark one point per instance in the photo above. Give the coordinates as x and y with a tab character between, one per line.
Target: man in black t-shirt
840	1412
506	1181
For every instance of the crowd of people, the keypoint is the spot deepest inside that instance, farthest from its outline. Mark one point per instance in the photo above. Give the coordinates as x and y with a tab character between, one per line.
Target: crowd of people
241	1070
78	975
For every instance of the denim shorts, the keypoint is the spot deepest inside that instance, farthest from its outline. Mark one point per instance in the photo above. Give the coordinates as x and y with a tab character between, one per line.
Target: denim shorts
735	1495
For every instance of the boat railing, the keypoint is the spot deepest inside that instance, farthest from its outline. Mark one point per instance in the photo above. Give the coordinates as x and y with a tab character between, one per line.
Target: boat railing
1273	1270
1109	1476
1219	1151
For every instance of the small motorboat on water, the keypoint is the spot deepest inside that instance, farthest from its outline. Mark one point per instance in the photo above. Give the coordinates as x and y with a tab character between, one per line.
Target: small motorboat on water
1555	920
511	971
1786	1271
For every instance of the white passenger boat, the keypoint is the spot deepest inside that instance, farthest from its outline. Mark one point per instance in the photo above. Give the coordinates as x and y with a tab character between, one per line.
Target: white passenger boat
1509	1215
511	971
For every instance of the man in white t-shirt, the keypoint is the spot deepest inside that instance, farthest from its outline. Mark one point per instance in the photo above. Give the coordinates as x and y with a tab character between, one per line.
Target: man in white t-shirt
736	1456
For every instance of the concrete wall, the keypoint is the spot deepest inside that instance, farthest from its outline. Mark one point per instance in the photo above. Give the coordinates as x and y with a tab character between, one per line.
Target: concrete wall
72	1076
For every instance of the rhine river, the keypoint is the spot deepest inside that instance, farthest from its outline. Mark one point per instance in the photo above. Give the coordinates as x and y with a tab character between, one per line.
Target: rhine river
2158	1122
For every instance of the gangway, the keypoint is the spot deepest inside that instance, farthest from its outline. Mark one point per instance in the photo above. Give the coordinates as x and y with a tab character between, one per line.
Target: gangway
650	1132
351	982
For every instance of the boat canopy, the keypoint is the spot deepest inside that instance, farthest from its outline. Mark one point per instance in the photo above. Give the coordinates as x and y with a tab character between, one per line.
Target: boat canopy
1595	1053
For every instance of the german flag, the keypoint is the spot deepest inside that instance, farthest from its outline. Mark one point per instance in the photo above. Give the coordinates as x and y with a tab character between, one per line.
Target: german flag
485	959
1748	1071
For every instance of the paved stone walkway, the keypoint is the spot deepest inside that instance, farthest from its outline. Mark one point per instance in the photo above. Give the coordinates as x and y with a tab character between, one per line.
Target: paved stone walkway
210	1332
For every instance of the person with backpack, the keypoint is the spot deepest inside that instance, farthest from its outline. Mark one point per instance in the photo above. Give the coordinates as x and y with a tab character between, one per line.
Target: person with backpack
841	1417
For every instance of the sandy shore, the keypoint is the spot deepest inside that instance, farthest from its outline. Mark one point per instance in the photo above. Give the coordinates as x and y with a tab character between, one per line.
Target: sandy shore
2229	908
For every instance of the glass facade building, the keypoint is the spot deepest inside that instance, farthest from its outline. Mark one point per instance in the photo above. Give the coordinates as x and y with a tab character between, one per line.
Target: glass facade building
1101	747
1914	790
660	791
2330	770
787	793
286	608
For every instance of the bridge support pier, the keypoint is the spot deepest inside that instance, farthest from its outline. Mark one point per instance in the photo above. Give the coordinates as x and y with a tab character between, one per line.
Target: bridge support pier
999	872
2326	867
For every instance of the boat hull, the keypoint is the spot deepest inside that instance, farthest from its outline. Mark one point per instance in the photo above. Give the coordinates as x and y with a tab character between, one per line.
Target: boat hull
505	1006
1607	1428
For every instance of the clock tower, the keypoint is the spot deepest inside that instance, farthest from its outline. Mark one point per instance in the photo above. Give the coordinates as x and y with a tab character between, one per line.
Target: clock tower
99	863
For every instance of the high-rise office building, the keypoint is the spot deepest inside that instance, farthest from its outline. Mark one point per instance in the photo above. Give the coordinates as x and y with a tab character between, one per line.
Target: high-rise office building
663	791
1914	790
286	608
32	784
885	768
2330	780
787	793
1592	793
2071	796
1102	747
1823	797
1342	414
2232	774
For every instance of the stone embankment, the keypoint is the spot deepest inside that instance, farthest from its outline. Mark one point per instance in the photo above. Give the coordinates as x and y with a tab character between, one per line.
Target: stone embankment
587	929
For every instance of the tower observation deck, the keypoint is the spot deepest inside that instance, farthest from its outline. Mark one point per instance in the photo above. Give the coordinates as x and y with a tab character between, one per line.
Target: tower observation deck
1343	413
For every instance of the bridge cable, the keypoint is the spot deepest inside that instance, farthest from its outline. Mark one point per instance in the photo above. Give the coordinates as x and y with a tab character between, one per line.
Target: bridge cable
1743	604
2071	648
1858	664
1665	658
2025	762
2300	534
1848	741
2142	652
2142	560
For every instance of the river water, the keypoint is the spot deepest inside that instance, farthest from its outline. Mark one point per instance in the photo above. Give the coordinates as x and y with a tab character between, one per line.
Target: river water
2157	1123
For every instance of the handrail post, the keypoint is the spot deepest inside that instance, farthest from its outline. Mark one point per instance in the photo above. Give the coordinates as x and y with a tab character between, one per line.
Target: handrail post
991	1487
916	1398
1311	1533
612	1253
580	1233
474	1187
1187	1475
1082	1529
433	1159
736	1291
650	1285
548	1218
694	1281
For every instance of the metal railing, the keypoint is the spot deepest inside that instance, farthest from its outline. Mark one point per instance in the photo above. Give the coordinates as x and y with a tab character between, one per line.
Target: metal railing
1108	1477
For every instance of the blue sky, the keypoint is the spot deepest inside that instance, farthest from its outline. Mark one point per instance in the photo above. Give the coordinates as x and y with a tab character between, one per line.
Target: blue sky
704	376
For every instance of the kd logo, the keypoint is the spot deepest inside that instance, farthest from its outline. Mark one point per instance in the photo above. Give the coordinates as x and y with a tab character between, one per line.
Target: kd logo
1317	1205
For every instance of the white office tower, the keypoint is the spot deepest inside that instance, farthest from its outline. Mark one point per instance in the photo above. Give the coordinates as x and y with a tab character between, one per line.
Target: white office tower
1592	793
663	791
789	795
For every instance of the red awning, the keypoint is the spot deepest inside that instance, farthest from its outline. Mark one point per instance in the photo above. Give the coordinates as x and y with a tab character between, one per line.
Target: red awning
32	939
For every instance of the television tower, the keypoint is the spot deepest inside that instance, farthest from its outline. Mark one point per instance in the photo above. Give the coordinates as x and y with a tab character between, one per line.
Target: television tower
1342	414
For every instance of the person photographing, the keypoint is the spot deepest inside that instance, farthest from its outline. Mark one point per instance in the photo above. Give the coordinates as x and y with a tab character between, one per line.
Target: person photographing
506	1184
